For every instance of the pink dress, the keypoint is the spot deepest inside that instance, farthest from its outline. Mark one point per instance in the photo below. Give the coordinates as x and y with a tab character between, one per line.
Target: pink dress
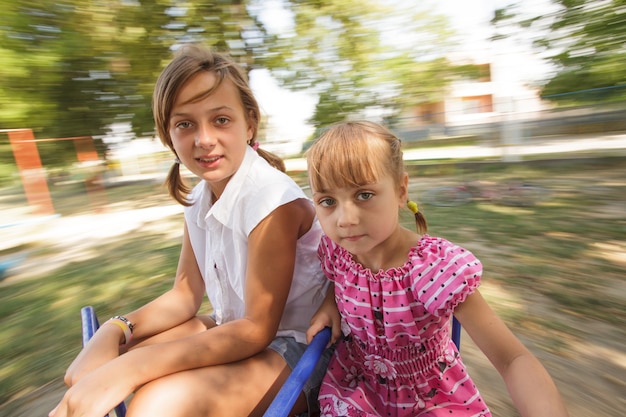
397	358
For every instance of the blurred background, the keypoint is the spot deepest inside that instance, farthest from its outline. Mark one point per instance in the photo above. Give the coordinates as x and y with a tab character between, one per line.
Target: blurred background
483	91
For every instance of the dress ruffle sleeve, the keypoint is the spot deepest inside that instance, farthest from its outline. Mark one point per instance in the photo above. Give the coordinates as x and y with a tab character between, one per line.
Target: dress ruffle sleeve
444	274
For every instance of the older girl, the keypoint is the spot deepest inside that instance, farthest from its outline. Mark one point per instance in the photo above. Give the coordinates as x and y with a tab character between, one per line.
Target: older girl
249	242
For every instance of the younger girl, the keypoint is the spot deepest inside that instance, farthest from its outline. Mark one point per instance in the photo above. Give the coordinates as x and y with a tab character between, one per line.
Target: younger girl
250	239
396	291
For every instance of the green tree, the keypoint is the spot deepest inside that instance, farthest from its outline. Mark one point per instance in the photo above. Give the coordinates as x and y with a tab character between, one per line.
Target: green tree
73	68
51	80
585	41
362	55
76	67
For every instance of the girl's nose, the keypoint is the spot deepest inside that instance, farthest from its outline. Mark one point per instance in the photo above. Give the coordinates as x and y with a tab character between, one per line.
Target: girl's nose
205	137
347	215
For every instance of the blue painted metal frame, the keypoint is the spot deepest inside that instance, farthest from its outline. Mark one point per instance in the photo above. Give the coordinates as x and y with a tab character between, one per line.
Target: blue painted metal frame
456	333
288	394
90	325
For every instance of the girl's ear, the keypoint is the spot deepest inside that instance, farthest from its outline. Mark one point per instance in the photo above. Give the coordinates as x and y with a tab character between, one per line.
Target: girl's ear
403	190
251	128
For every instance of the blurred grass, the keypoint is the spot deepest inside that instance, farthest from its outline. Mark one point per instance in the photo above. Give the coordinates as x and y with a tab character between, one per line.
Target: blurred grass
570	249
40	315
558	253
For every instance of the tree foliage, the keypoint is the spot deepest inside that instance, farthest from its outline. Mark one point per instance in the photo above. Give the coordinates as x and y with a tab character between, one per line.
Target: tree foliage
73	68
76	67
585	40
362	55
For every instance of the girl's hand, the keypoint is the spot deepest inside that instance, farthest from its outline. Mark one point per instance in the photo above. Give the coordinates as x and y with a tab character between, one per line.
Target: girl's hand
318	322
93	396
326	315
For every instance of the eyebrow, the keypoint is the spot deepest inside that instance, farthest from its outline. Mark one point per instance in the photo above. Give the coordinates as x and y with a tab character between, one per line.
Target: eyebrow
220	108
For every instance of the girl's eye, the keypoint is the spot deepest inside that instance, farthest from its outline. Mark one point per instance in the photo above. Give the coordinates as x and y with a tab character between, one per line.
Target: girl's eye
183	125
365	195
222	120
326	202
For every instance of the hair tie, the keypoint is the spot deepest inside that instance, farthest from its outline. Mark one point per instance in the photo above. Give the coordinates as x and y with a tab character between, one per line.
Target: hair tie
255	145
177	161
412	205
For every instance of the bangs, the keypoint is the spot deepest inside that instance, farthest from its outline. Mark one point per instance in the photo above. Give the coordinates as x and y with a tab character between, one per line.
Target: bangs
219	79
346	158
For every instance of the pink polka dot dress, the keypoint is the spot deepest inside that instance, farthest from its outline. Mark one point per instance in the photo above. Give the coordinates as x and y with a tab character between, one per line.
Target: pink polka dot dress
397	357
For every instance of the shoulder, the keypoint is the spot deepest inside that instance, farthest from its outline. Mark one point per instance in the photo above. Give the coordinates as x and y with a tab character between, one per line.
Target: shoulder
332	256
438	245
443	273
437	249
263	191
256	177
262	177
328	248
201	201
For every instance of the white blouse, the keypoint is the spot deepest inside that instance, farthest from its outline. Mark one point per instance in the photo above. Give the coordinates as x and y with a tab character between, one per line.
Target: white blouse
219	237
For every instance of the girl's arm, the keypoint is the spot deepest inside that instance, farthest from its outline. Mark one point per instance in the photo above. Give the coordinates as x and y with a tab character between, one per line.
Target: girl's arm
165	312
532	390
270	265
176	306
99	378
326	315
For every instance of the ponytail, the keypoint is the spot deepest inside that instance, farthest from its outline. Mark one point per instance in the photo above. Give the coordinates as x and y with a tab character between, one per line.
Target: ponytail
274	160
176	185
420	220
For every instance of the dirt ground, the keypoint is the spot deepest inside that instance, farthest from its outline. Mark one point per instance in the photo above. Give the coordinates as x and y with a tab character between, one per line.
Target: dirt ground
590	372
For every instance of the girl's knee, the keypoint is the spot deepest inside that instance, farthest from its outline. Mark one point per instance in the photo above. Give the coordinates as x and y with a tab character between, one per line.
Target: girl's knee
237	389
171	396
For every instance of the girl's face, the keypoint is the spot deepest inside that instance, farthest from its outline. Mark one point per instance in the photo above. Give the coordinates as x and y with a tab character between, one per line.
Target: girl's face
210	135
361	219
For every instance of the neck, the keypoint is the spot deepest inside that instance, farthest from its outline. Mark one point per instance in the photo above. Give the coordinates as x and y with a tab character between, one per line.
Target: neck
392	253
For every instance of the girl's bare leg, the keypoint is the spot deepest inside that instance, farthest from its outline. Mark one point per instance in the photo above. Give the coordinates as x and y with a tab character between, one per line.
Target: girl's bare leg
243	388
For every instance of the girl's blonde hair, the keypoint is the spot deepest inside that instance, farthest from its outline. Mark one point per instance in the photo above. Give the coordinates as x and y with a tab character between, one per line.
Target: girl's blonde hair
188	61
349	154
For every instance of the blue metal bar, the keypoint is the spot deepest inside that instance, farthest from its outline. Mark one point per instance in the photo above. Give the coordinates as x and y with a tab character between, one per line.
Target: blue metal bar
90	324
456	333
288	394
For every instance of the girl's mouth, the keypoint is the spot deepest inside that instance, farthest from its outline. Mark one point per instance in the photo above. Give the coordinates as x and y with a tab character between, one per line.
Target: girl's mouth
208	160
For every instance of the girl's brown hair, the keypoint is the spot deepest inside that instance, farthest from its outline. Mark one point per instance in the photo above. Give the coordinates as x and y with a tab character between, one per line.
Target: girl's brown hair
352	153
188	61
